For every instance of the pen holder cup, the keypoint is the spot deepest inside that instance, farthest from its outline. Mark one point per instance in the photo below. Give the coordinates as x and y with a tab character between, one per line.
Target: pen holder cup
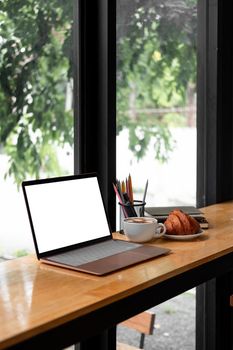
131	210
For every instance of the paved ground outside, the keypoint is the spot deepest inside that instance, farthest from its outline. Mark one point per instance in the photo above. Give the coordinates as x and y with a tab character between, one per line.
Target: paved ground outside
174	326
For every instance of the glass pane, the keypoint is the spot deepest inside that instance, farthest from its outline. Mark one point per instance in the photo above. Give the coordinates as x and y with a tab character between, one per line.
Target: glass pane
36	129
156	98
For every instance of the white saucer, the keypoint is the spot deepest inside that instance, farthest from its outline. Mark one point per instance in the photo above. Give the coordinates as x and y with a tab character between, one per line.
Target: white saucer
184	237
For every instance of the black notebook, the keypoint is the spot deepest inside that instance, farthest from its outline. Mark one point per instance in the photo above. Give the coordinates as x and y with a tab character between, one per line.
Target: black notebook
164	211
161	213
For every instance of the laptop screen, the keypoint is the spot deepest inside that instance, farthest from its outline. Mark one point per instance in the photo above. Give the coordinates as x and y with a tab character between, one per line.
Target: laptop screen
65	212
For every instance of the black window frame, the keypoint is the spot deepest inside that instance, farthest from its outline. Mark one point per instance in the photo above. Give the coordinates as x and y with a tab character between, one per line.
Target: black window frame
214	103
95	95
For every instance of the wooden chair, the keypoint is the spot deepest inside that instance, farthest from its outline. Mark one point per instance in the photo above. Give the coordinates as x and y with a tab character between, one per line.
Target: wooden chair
143	323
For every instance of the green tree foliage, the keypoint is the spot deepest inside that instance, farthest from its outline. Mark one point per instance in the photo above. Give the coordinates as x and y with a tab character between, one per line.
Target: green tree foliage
34	69
156	67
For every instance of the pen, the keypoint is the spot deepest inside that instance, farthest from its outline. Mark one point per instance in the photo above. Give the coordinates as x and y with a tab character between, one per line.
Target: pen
127	187
145	191
141	210
128	206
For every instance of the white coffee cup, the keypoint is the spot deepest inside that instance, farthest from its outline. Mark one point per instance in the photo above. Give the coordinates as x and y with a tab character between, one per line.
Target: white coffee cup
143	229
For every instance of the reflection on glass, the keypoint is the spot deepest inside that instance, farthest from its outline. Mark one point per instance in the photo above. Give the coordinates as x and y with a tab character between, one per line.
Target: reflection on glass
156	98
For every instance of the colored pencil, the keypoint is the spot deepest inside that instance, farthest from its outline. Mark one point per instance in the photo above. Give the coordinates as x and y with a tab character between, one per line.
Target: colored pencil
123	189
130	188
120	200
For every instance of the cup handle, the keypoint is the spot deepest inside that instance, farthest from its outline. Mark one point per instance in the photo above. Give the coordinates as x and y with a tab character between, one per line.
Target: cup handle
159	233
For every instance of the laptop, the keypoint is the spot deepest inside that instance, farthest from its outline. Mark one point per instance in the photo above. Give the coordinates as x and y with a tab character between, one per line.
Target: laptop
70	227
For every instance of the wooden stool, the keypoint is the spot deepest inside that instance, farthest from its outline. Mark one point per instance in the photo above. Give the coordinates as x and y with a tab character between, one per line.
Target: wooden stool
143	323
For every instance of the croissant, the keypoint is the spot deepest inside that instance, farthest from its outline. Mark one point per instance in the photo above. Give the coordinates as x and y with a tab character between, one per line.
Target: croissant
179	223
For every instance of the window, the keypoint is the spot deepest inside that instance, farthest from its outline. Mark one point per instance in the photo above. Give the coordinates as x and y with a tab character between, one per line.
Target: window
156	98
36	106
156	101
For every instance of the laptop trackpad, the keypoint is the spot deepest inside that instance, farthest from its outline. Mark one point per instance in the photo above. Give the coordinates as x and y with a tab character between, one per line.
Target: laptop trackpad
118	261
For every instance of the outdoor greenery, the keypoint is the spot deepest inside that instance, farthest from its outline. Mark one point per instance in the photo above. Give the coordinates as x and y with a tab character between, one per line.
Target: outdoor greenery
156	70
156	65
34	70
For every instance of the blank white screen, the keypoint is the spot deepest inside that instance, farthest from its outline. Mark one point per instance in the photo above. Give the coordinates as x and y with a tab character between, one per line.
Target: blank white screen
66	212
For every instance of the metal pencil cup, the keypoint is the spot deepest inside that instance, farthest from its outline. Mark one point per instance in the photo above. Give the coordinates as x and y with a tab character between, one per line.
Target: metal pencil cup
130	210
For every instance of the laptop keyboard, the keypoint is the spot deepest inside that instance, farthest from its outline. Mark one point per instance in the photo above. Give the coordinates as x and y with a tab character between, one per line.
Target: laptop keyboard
93	252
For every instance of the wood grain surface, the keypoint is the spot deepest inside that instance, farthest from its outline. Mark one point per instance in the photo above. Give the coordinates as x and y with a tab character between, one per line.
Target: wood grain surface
35	297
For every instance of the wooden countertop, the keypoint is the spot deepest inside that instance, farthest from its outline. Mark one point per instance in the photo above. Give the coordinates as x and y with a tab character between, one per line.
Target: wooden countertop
35	297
